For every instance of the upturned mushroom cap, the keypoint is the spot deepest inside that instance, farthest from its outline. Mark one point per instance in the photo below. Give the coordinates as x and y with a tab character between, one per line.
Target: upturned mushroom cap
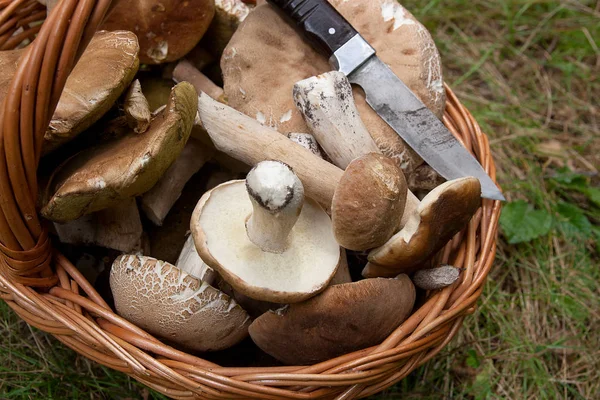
167	302
104	71
303	268
167	29
342	319
368	202
267	56
98	178
440	215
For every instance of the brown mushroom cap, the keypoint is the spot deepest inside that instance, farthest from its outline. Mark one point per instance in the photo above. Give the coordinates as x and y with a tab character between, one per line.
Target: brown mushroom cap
440	215
368	202
98	178
104	71
266	57
342	319
301	271
174	305
167	29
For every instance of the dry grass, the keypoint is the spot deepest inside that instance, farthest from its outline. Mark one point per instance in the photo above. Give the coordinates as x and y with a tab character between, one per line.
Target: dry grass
528	70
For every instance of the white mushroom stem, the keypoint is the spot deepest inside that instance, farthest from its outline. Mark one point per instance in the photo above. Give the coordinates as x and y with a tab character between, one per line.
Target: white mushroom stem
327	104
277	197
190	262
186	71
118	228
137	110
159	200
247	140
307	141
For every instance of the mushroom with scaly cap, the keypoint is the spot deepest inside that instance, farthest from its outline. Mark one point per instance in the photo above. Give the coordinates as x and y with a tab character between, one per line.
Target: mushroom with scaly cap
170	303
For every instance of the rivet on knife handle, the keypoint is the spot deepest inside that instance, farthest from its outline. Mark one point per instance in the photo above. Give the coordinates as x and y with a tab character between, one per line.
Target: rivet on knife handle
328	29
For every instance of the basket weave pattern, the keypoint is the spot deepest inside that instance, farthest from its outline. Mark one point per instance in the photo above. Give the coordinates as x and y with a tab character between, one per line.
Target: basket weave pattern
48	292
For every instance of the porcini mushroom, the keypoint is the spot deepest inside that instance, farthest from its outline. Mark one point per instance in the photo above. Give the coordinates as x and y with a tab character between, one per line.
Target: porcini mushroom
265	238
100	177
104	71
368	203
438	217
327	104
341	319
169	303
167	30
266	49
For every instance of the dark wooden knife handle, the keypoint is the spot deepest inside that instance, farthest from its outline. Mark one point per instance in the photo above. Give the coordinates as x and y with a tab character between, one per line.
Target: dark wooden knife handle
321	23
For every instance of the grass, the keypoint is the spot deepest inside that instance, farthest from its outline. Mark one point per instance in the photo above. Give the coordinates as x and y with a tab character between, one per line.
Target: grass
528	71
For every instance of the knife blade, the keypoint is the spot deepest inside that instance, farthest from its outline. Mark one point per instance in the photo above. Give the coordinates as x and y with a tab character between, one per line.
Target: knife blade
393	101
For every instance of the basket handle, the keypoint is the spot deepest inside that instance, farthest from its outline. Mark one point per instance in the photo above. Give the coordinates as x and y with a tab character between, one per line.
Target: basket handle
24	117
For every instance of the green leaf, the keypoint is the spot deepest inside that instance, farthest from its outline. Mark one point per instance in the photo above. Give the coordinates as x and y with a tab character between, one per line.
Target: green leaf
594	195
569	179
572	220
472	359
521	223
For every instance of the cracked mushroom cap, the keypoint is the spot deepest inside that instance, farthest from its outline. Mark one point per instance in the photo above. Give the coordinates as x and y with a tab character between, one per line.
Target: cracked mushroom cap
441	214
368	202
267	52
100	177
167	29
104	71
303	269
342	319
174	305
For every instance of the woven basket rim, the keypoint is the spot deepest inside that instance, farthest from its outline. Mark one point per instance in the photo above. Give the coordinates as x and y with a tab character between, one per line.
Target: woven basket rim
44	288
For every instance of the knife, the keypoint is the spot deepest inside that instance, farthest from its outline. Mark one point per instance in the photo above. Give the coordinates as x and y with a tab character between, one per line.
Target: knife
395	103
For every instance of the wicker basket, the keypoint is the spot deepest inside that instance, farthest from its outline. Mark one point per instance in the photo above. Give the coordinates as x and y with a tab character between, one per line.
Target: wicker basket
48	292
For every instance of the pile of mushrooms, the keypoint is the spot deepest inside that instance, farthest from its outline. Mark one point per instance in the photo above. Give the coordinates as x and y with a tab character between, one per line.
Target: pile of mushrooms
238	188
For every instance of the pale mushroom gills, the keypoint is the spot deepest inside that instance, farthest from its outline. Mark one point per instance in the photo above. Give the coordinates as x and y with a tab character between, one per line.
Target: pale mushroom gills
268	242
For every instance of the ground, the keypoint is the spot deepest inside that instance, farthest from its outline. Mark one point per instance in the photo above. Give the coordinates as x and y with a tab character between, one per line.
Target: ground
528	71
